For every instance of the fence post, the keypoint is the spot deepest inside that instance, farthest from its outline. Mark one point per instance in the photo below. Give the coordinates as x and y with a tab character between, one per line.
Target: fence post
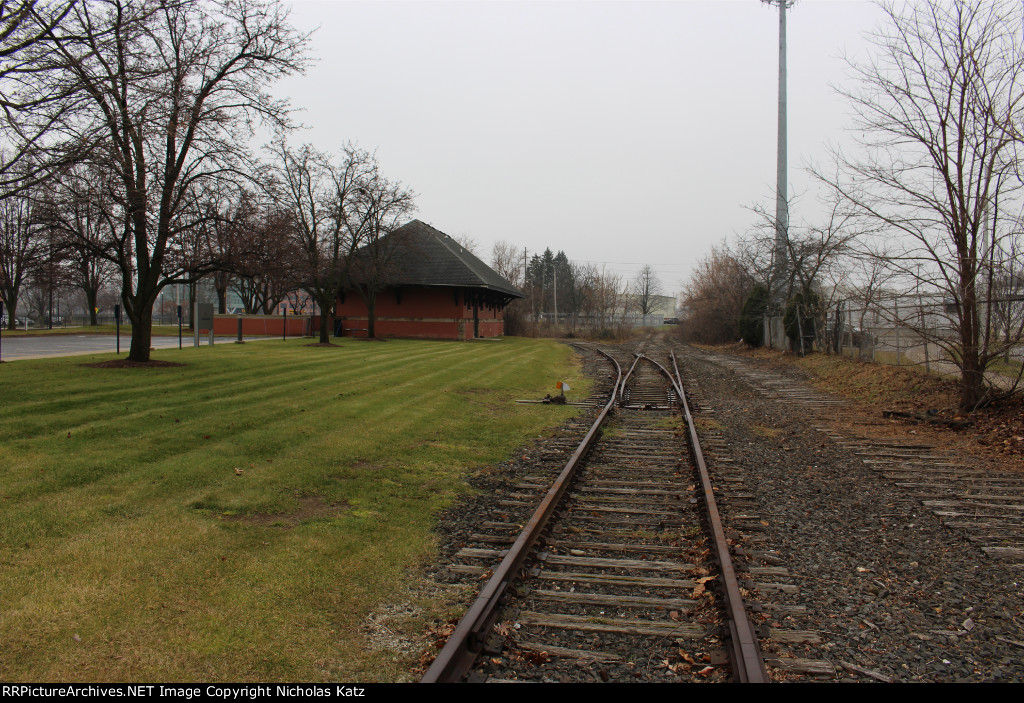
853	346
924	330
896	308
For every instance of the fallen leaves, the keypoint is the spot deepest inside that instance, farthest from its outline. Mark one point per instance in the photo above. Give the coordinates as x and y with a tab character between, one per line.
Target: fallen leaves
700	588
535	657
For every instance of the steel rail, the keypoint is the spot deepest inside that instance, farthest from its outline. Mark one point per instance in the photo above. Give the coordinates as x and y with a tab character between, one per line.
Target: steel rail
744	651
460	651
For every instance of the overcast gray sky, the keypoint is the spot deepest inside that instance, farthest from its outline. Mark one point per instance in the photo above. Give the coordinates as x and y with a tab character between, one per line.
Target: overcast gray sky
623	133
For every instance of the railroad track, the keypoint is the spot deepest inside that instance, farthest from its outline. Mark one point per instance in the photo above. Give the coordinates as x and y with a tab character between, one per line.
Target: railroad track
622	571
984	503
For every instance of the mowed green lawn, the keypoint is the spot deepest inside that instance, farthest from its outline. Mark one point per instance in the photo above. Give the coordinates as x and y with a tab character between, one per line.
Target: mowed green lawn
250	515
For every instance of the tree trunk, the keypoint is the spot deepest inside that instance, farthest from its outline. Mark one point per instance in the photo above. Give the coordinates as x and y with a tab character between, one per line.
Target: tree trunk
972	373
142	333
90	300
800	330
222	298
972	376
837	331
10	296
371	315
972	388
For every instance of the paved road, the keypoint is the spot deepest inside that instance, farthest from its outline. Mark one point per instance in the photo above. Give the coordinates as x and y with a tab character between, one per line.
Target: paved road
15	348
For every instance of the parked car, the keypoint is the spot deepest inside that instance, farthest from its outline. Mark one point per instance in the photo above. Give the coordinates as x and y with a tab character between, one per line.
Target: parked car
18	321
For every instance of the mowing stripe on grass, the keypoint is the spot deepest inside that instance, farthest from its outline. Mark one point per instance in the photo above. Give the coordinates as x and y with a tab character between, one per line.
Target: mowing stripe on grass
134	550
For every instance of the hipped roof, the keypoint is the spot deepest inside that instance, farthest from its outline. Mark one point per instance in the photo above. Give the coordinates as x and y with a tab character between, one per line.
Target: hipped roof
429	257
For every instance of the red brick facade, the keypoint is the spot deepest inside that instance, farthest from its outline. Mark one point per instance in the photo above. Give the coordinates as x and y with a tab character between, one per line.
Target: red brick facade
426	312
263	325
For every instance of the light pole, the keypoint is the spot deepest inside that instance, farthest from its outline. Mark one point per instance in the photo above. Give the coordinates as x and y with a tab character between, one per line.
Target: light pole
780	267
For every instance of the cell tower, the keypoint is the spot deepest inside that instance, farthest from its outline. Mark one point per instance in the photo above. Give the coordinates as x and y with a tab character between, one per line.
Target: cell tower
781	266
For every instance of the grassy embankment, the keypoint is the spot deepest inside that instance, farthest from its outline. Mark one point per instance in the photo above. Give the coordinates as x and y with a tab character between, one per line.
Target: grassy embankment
240	518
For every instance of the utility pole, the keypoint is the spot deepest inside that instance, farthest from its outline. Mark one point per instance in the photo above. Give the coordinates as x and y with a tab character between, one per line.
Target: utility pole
554	290
780	268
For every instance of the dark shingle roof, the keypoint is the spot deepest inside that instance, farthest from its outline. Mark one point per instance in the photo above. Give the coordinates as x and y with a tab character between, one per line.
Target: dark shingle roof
429	257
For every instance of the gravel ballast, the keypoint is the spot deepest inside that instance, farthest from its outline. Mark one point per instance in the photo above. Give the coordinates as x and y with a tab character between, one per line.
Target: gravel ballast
888	590
894	594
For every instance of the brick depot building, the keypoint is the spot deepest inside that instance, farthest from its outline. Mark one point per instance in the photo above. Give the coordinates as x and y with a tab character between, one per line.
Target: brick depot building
437	290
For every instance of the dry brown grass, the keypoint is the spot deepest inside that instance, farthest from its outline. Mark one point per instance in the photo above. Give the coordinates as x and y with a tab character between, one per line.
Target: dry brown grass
767	432
995	432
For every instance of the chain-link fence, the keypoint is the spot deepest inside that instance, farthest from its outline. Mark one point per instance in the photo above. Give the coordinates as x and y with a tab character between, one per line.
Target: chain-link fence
914	330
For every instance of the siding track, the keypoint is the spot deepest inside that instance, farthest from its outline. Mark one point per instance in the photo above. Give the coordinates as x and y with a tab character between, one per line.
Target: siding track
985	504
891	555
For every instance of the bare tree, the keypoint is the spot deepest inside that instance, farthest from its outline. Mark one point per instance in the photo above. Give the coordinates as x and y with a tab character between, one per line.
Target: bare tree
714	298
509	261
265	259
578	290
21	251
754	252
605	298
938	109
31	109
1005	289
871	282
189	254
380	208
815	257
646	288
170	88
468	242
78	206
226	237
51	276
321	194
